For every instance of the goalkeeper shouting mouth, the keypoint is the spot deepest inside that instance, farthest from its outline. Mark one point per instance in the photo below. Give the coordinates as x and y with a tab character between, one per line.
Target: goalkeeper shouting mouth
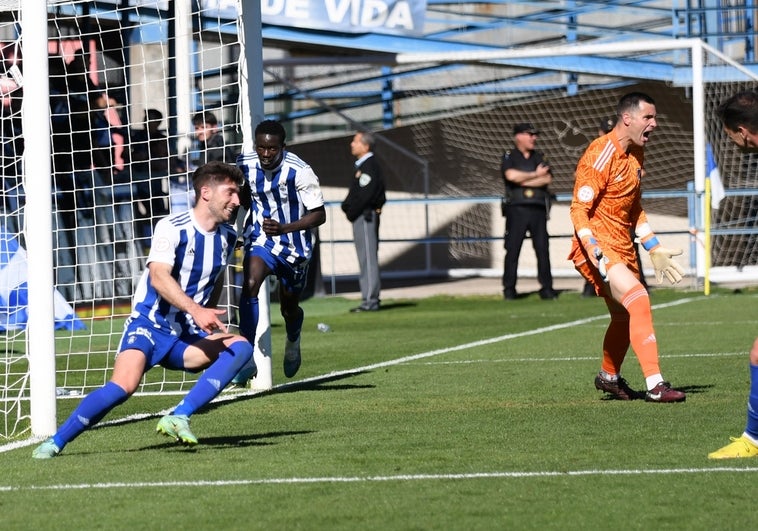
605	207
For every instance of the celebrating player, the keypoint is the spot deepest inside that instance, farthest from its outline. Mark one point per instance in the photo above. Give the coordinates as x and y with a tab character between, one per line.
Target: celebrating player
173	321
739	115
285	204
605	207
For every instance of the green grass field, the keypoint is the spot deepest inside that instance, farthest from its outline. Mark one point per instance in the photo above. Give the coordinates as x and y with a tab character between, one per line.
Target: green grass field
442	413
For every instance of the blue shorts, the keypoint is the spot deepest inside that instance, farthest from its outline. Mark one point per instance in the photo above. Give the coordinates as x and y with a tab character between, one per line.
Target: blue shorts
160	347
291	277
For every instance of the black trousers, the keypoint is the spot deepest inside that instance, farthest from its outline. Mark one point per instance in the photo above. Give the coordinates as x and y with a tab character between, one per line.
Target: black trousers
520	219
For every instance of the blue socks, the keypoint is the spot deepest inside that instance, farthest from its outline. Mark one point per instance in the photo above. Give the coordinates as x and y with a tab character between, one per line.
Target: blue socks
216	377
752	404
89	412
248	317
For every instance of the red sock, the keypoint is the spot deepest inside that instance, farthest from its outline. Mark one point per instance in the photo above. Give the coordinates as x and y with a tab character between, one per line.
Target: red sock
641	333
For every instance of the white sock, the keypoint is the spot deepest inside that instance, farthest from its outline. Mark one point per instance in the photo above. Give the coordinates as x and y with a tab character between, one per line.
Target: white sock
652	381
750	438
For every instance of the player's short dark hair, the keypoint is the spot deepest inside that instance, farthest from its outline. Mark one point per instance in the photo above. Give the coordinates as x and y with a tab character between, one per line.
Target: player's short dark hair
206	117
741	109
631	101
216	172
273	128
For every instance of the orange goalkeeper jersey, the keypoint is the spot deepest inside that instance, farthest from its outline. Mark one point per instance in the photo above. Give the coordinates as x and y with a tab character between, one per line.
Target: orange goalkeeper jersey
607	199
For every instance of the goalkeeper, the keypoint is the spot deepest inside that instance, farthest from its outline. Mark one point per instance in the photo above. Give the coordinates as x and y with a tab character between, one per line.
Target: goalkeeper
605	207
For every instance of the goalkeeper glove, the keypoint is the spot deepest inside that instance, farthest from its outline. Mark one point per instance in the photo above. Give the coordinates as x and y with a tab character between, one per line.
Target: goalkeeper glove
664	265
596	254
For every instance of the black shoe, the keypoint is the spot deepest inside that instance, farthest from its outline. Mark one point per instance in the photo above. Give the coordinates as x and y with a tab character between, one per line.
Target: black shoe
510	294
663	392
617	389
359	309
548	294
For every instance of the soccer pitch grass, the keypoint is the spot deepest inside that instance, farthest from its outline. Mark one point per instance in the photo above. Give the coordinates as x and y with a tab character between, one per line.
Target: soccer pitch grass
440	413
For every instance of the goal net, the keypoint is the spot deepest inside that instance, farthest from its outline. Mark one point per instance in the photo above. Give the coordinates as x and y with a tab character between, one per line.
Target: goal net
455	116
136	89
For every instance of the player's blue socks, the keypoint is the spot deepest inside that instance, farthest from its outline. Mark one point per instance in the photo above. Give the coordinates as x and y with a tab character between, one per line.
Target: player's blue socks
248	317
89	412
752	404
293	328
216	377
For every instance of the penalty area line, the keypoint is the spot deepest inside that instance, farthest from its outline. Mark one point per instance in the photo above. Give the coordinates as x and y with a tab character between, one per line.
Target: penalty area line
378	479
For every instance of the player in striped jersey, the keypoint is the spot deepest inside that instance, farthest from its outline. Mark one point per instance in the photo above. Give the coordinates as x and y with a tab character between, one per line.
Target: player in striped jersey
605	208
285	204
174	322
739	116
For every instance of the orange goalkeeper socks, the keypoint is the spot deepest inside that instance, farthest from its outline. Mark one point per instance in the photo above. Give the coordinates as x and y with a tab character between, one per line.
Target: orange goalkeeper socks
641	333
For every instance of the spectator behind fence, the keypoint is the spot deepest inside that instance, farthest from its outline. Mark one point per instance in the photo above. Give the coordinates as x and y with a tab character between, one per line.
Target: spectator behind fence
174	322
151	164
212	145
526	207
108	136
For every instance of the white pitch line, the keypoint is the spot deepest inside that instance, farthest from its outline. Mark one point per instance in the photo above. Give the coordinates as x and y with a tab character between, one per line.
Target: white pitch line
584	358
228	397
377	479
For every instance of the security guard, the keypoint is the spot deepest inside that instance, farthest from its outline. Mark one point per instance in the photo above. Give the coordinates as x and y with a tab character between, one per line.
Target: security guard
526	206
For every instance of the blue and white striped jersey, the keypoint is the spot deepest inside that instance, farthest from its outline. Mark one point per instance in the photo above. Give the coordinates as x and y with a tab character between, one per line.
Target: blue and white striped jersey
197	259
284	194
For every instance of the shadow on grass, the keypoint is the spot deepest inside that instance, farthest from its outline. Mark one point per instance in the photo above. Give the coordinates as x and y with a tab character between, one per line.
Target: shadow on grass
227	441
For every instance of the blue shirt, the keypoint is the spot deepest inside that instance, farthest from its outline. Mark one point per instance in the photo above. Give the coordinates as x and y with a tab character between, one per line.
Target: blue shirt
197	259
284	194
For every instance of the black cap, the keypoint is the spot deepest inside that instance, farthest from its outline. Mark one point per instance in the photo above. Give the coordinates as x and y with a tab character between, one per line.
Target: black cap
525	128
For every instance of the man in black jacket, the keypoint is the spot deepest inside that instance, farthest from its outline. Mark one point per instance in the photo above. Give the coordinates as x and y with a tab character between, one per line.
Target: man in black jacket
526	209
362	206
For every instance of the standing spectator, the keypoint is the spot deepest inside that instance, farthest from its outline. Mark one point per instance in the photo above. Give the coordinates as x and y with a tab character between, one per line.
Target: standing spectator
526	209
173	321
108	136
151	159
605	207
362	206
213	148
739	116
211	140
285	203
